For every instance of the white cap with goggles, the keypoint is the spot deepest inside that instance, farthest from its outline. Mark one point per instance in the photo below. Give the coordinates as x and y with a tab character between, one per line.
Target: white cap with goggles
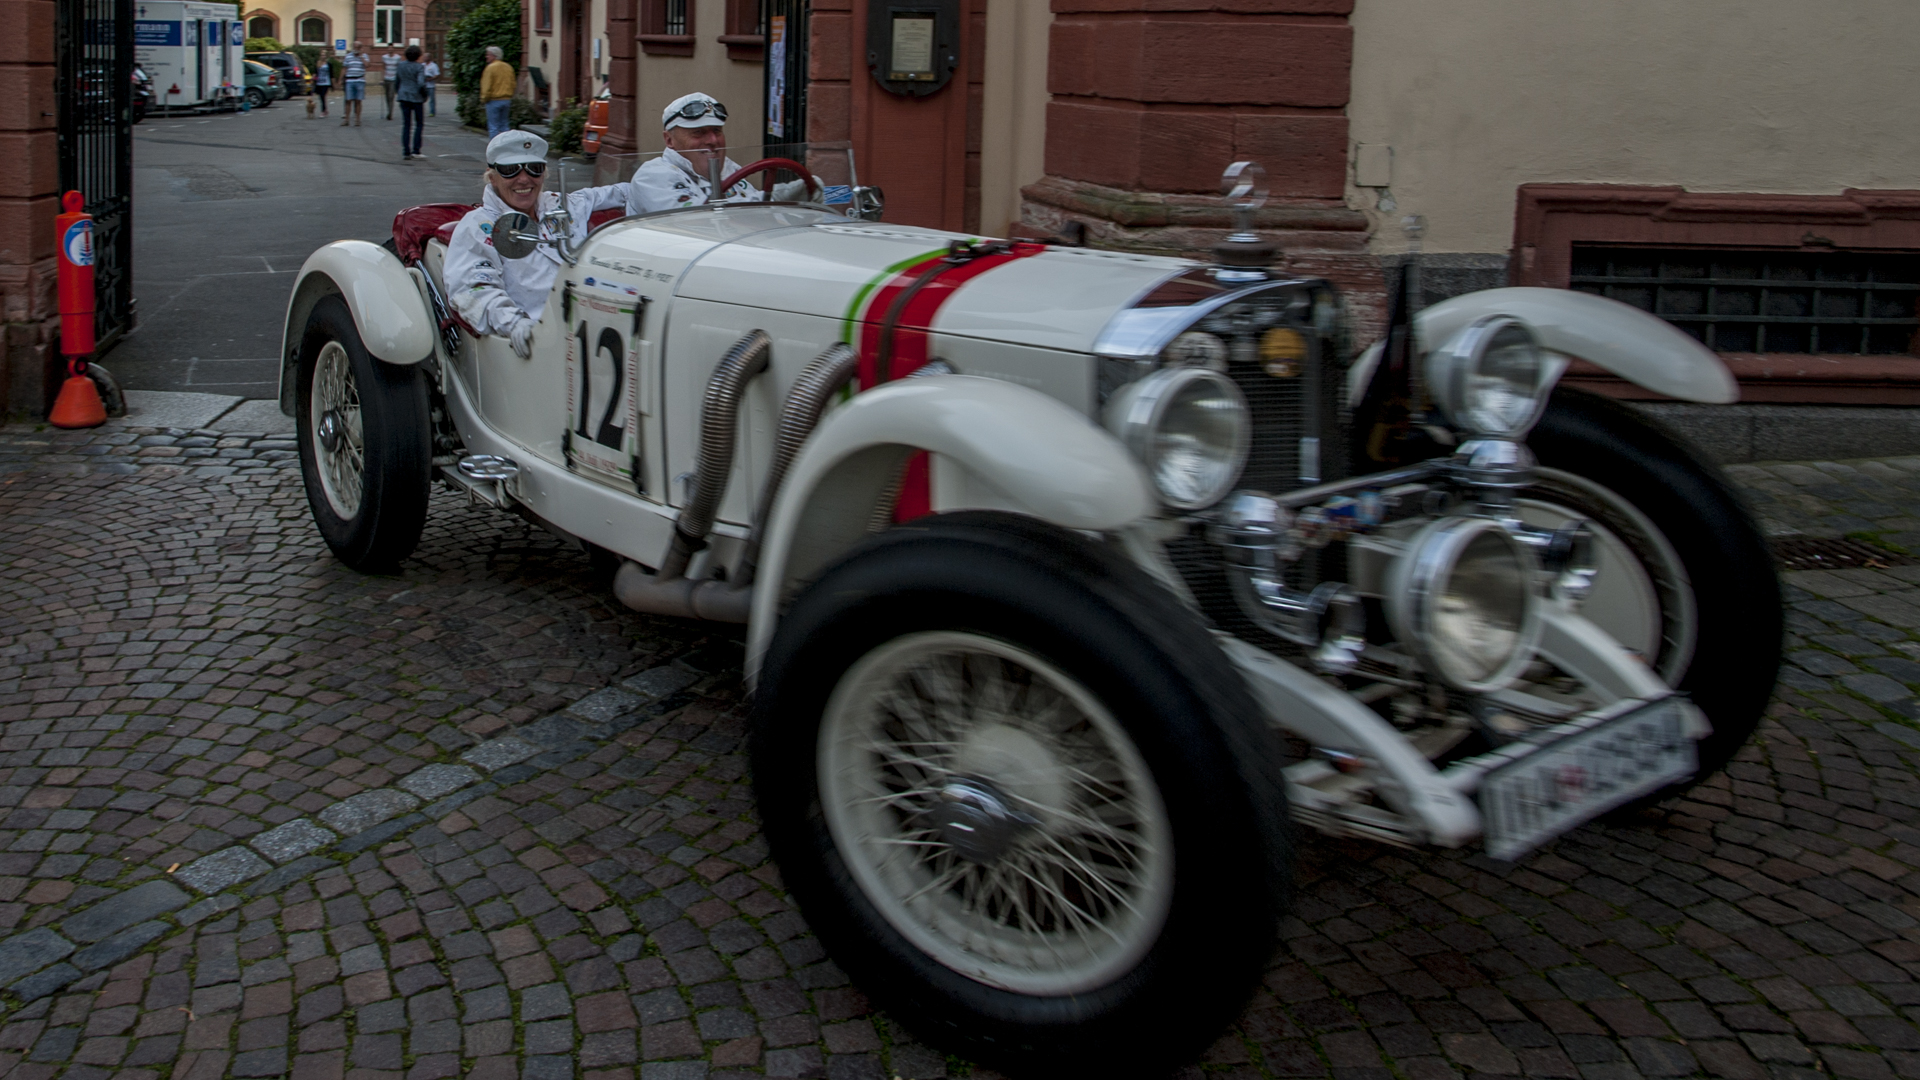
695	110
517	148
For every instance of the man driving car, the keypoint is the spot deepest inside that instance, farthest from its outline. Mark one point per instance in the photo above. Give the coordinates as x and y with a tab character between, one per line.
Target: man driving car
694	129
502	296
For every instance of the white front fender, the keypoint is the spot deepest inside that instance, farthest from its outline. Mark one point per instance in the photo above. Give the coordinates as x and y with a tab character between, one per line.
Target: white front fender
1634	345
1041	457
394	319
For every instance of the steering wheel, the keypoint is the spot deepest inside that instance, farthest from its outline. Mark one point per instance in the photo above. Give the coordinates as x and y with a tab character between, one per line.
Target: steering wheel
768	165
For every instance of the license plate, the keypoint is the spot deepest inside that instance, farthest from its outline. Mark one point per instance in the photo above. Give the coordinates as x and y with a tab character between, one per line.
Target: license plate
1582	769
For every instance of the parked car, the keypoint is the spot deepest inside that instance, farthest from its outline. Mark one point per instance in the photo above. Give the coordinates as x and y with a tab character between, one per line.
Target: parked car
596	129
293	74
142	95
263	85
1070	576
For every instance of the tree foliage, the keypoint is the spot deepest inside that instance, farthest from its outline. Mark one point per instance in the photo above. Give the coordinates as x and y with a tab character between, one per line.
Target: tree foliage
487	22
265	44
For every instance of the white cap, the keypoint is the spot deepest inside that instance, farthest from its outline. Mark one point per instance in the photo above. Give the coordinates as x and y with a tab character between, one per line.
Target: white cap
669	119
516	148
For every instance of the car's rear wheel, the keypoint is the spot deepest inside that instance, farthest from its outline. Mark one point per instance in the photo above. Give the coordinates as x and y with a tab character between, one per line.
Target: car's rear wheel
365	443
1022	797
256	97
1692	585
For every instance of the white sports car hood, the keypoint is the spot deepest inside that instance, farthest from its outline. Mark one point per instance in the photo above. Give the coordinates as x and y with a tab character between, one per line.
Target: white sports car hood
863	273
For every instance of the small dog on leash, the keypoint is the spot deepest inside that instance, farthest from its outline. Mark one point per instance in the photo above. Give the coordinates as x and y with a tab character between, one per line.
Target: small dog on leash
309	107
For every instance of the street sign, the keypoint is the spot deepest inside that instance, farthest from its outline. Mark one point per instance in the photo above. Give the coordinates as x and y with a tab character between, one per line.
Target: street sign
340	44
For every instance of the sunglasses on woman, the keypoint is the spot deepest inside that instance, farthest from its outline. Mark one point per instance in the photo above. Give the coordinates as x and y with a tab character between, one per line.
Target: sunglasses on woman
534	168
694	110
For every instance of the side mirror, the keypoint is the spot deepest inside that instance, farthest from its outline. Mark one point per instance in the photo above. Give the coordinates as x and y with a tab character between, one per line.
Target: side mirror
514	236
868	202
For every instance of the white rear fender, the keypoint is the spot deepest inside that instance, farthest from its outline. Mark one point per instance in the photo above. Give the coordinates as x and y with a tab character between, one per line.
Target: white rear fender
389	309
1036	455
1626	341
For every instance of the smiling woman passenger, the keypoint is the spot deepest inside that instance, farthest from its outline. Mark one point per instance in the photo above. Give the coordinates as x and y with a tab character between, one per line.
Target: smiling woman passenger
498	295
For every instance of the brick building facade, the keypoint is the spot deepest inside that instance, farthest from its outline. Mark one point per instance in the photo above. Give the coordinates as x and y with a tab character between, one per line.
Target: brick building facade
29	188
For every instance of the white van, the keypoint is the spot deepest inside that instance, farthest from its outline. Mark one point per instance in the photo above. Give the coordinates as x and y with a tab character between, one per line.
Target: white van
194	52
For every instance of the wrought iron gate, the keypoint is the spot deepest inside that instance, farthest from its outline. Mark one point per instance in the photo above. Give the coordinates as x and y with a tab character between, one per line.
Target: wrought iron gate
785	93
93	44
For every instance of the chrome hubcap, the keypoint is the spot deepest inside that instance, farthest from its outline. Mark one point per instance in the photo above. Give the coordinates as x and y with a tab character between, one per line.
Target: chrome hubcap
975	821
995	813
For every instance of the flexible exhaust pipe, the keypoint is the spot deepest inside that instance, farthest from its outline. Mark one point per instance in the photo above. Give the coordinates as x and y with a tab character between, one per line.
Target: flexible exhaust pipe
668	591
816	386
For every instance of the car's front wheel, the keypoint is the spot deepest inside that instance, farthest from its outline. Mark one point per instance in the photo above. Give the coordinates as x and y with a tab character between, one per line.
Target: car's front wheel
1022	797
365	443
1685	579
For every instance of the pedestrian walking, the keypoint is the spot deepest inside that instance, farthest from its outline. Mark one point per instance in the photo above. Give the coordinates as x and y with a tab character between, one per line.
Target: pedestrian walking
433	80
410	86
353	72
496	91
323	81
389	70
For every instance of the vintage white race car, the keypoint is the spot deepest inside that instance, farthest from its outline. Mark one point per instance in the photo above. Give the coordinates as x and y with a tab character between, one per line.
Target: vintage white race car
1070	576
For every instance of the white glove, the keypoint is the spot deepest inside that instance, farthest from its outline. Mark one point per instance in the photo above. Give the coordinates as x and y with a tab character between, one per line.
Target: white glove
790	191
522	337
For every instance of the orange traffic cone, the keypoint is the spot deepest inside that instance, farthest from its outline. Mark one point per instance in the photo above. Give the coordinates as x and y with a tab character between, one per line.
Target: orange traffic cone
79	404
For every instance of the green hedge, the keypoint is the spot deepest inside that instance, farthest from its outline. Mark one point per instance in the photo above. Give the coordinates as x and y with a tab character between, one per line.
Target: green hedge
487	22
563	133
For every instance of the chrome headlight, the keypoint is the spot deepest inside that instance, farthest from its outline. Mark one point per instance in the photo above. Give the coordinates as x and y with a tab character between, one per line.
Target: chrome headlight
1492	378
1189	427
1462	598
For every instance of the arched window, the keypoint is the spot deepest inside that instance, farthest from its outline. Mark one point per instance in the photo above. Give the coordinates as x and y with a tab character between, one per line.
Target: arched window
262	26
313	31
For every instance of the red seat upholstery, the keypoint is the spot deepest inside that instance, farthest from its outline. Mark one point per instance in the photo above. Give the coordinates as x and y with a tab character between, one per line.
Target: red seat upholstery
601	217
412	227
444	233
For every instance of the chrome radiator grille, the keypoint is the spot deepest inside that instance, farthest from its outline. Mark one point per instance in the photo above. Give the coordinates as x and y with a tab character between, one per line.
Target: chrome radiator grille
1283	411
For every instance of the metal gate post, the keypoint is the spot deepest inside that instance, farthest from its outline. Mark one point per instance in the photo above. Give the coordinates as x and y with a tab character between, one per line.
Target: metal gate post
93	44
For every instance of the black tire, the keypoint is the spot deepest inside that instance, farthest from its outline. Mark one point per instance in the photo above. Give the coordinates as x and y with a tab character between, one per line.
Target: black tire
139	111
397	442
257	98
1737	609
1149	661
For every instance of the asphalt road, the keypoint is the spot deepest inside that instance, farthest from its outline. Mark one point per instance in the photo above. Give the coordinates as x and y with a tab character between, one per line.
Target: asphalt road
227	207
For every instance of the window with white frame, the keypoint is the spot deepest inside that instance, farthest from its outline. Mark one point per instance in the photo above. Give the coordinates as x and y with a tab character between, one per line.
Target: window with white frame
389	25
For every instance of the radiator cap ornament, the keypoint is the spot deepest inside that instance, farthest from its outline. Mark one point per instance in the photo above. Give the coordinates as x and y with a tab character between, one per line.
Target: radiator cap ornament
1245	186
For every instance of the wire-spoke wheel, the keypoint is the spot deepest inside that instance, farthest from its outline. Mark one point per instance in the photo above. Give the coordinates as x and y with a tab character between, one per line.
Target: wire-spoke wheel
996	813
339	429
365	442
1709	611
1641	594
1023	798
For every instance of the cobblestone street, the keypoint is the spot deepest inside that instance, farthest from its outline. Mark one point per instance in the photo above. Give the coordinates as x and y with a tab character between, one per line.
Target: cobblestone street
264	816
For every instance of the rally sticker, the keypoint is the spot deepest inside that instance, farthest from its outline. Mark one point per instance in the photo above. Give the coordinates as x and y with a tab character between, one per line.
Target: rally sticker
78	243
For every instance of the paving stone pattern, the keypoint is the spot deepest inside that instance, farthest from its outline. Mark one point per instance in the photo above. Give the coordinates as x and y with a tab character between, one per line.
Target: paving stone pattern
261	816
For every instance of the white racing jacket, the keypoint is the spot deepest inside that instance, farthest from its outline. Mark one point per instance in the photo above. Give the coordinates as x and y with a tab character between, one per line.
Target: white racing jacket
670	181
492	293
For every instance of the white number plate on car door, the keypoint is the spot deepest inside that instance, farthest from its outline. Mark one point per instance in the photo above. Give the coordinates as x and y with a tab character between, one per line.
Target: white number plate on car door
1581	769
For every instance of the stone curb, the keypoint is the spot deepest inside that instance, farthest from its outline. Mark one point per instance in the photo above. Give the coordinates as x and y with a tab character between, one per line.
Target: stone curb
40	961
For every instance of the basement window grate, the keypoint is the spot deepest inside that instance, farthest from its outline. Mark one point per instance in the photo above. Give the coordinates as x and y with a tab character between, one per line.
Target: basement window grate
1821	553
1765	301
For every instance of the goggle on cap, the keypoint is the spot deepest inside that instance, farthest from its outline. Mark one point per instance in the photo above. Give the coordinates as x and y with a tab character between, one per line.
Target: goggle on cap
516	148
695	110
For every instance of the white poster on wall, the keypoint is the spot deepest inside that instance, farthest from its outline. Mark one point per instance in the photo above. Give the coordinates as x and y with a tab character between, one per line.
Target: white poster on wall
776	75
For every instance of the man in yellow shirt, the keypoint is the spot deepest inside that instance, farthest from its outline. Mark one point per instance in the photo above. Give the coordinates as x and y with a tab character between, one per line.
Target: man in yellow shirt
496	91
